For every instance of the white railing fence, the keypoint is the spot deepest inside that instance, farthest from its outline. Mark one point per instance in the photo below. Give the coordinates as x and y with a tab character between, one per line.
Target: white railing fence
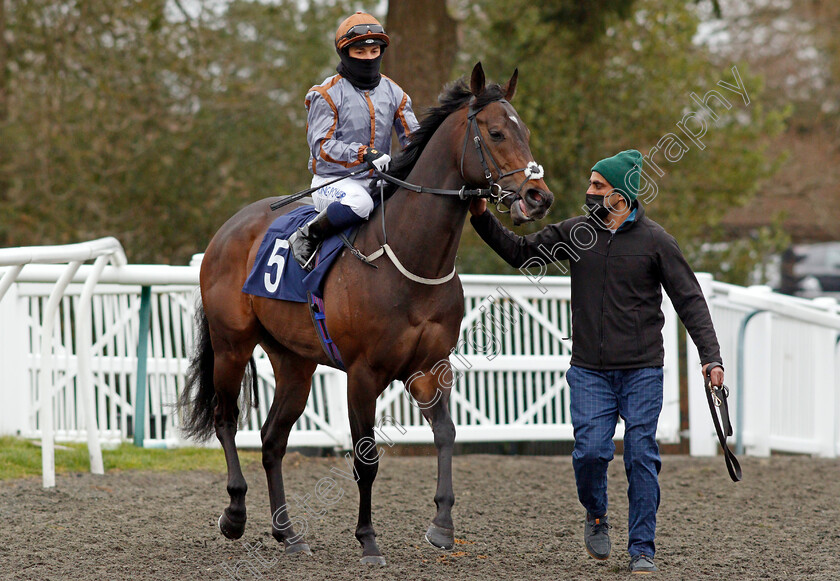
781	358
102	252
511	363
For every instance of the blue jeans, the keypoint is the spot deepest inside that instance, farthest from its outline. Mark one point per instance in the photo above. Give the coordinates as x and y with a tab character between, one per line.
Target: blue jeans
598	398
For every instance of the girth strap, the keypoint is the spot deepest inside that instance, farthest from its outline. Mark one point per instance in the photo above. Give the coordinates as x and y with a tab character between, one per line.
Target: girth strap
318	313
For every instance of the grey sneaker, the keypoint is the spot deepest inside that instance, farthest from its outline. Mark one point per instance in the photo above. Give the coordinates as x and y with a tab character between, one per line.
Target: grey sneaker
642	564
596	536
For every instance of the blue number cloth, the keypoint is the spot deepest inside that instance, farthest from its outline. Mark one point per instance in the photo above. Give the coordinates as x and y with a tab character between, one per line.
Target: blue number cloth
276	274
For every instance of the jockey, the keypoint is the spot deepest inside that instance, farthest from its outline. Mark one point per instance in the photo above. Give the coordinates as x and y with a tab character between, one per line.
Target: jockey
349	121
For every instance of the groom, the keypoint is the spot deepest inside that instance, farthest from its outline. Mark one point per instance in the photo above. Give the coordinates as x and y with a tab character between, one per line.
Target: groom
620	260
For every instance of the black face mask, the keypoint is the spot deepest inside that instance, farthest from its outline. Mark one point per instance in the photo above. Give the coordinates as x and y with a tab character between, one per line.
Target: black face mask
362	73
596	207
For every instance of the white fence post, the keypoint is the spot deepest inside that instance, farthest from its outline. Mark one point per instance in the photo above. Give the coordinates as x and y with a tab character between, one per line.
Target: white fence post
335	390
46	385
84	375
837	395
757	398
825	394
73	255
701	428
827	413
15	396
804	384
8	278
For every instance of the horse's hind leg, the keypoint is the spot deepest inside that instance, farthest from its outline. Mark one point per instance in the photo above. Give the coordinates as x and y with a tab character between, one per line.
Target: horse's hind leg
293	376
228	371
431	393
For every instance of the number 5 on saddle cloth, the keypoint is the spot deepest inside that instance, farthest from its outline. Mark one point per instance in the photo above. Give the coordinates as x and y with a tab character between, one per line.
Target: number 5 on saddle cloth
277	275
716	396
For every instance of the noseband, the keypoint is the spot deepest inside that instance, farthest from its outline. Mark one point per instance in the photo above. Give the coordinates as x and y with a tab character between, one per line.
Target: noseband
533	171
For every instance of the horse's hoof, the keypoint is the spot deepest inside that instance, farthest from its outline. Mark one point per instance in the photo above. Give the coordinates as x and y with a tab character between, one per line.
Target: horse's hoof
296	548
230	529
372	560
440	537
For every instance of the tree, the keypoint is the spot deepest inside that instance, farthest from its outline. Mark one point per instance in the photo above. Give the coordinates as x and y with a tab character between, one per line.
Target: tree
424	42
155	120
4	105
587	98
796	48
155	126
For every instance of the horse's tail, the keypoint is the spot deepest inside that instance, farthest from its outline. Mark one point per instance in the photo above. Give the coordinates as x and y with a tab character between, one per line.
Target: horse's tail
197	402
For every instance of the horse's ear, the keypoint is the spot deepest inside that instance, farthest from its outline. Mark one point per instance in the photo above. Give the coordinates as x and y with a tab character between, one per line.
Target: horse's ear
477	80
510	88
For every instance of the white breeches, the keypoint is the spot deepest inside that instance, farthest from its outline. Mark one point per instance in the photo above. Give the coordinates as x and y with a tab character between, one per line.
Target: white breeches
352	193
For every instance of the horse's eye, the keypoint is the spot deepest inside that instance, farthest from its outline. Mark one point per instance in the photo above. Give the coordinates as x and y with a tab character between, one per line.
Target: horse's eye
496	135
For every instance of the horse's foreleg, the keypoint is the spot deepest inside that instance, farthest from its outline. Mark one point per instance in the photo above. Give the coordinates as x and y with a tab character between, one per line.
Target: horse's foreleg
362	392
293	376
430	393
228	370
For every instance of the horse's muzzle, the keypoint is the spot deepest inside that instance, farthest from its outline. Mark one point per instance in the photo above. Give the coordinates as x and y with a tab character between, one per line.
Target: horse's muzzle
532	205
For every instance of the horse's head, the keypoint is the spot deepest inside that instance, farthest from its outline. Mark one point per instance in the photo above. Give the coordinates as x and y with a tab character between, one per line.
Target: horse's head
496	150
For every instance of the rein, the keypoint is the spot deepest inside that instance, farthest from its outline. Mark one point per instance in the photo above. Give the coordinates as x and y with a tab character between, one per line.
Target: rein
494	193
716	396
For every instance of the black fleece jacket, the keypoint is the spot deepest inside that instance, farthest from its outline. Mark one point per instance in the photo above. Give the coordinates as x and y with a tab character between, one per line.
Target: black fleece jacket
616	286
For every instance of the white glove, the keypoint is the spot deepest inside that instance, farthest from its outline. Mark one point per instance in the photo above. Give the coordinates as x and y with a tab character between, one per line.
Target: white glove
378	159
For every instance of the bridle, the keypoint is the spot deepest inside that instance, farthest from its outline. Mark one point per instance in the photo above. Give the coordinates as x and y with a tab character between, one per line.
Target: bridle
533	171
495	193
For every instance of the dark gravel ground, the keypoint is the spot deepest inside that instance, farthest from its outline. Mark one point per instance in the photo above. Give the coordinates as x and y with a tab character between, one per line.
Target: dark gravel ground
516	517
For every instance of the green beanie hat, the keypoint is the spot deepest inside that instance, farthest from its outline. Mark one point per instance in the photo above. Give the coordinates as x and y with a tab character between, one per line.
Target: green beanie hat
622	171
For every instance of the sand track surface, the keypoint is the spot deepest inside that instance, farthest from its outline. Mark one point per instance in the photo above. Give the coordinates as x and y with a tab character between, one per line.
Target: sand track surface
516	517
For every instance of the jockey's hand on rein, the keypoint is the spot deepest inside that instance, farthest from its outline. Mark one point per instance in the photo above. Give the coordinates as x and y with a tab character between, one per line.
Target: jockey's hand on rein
377	159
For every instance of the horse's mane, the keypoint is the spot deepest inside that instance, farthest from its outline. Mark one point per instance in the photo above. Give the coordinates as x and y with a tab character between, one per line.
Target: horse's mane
454	96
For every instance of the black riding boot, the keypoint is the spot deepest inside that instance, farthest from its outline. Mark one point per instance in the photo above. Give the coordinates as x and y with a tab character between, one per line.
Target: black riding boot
305	241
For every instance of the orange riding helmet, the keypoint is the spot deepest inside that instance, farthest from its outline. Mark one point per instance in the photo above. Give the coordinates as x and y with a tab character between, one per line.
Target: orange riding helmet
360	26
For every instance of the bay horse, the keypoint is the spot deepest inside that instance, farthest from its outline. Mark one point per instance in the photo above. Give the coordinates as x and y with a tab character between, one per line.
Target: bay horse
386	326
